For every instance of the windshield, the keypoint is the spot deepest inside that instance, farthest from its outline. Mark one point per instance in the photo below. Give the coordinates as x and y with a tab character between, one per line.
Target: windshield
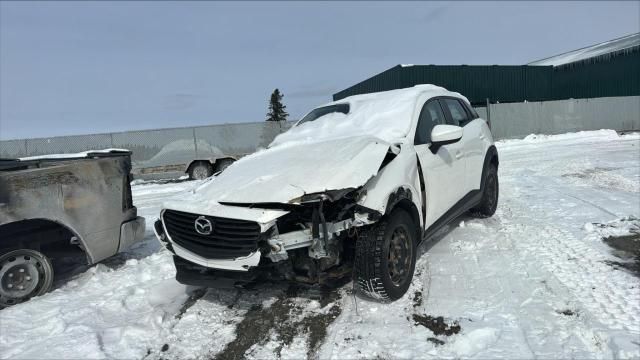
322	111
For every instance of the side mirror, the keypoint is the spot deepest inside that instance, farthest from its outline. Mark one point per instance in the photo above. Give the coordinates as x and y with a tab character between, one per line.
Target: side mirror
445	134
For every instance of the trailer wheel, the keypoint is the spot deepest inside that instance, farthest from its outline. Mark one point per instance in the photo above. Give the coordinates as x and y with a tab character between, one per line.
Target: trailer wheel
24	274
223	164
200	170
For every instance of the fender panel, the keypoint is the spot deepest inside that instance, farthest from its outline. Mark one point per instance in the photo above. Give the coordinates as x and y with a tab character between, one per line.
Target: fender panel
397	181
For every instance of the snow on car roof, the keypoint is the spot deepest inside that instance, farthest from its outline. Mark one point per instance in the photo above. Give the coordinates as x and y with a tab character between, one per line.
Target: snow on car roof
386	115
607	47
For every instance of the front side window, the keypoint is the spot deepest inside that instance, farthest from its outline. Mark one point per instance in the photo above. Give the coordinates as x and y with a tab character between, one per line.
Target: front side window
430	116
325	110
458	114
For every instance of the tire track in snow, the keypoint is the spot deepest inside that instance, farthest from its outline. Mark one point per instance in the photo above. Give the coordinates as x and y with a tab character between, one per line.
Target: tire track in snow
269	321
609	295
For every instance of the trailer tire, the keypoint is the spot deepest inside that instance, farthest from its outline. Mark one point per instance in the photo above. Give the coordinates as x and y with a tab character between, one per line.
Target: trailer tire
223	164
200	170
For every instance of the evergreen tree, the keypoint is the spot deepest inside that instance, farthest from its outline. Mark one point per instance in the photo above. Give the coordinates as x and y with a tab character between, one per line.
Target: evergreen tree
276	108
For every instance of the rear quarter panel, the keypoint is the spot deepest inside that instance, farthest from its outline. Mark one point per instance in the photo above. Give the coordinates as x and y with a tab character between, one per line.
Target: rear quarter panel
478	139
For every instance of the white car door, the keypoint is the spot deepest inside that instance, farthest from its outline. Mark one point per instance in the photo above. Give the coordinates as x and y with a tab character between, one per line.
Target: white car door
472	140
442	166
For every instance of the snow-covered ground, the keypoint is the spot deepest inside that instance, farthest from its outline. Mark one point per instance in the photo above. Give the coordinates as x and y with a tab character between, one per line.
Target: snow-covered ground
536	280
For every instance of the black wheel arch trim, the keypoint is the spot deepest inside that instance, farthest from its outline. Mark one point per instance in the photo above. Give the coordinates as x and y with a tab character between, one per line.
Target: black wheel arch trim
32	244
403	198
491	157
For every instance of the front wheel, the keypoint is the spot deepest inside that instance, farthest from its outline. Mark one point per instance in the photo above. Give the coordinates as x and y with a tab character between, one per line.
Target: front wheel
386	257
489	202
24	274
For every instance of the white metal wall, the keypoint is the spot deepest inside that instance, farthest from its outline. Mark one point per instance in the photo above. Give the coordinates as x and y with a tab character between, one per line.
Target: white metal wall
517	120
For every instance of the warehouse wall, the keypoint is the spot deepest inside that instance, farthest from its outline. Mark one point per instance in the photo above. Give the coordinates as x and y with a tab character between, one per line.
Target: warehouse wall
606	75
617	75
503	83
517	120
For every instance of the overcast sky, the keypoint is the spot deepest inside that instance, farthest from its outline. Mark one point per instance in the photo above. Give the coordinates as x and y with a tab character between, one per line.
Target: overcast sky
86	67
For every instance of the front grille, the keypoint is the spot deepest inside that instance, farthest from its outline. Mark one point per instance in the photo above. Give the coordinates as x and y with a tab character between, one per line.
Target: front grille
229	239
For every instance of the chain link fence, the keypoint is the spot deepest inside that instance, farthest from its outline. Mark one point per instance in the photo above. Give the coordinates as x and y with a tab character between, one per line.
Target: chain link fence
160	147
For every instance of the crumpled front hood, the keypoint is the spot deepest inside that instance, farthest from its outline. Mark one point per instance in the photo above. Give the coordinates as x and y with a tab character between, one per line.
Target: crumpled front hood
290	170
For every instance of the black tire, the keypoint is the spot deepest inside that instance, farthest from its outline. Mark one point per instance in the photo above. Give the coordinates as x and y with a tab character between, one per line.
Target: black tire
374	273
490	192
223	164
24	274
200	170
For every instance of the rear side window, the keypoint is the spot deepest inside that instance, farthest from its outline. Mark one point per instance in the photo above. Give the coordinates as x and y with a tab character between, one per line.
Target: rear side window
459	115
430	116
472	112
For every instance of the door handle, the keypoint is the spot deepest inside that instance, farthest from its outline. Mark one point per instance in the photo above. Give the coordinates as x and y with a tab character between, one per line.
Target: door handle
458	154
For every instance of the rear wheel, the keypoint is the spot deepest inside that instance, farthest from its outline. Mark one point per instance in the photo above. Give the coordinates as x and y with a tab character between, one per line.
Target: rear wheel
489	202
200	170
386	257
223	164
24	274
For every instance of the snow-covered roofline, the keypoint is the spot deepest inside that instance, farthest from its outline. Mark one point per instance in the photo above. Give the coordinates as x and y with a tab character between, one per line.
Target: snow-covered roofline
607	47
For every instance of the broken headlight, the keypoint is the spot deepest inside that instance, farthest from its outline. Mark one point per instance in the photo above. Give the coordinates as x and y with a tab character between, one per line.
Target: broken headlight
330	195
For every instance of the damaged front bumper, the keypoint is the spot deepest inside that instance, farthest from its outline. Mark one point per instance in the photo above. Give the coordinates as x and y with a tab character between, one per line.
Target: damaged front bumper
237	264
319	238
189	273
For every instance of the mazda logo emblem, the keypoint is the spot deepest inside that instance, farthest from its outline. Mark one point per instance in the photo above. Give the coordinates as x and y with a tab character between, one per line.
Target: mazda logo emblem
203	226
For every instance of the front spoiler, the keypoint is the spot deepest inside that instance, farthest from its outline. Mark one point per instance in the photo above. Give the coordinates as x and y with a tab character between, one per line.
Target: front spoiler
237	264
188	273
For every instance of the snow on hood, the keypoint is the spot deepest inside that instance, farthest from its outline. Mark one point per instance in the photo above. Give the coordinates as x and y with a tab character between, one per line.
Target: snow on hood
286	172
336	151
386	115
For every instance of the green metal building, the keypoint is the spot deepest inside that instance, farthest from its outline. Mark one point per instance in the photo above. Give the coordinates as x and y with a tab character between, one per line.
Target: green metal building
607	69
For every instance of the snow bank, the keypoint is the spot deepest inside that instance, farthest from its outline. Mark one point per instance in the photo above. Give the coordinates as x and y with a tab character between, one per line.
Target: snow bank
104	313
620	227
386	115
158	181
573	137
475	341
